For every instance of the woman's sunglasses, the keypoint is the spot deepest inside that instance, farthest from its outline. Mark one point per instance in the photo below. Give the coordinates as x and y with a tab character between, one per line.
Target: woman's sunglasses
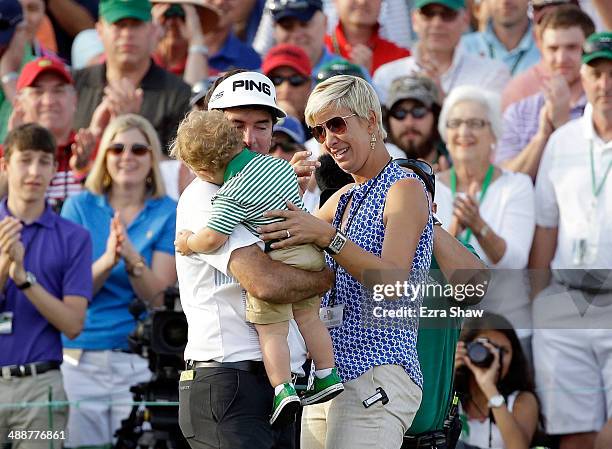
137	149
336	125
401	113
294	80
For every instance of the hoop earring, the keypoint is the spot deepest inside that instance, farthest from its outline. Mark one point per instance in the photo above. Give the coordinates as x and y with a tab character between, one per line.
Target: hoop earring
373	141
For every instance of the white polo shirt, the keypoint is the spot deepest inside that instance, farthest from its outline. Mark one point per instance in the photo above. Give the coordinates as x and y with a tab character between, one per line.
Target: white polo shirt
213	301
564	194
466	69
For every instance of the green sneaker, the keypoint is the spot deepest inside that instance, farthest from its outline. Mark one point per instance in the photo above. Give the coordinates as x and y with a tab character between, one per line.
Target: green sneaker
324	389
286	406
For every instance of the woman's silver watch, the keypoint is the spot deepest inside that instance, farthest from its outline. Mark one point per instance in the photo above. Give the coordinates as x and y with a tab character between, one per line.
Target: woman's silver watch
496	401
336	244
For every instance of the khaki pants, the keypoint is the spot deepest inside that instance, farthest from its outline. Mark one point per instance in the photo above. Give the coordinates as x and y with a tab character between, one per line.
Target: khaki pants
305	257
344	423
44	423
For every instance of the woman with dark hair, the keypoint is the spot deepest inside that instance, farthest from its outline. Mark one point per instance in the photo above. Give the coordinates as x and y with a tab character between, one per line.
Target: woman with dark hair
499	408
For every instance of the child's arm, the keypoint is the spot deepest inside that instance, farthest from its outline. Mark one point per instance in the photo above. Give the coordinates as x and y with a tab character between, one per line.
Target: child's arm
205	240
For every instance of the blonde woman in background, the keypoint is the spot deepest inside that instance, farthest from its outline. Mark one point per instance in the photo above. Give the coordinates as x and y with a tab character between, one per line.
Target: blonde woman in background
132	225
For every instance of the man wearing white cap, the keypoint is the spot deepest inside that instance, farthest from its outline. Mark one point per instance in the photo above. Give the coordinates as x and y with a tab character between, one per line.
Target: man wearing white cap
225	396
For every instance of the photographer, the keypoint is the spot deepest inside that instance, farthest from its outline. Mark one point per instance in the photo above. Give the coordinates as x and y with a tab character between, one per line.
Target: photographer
498	406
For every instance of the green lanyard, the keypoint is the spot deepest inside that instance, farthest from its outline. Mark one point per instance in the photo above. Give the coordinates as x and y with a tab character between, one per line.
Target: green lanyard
597	188
485	187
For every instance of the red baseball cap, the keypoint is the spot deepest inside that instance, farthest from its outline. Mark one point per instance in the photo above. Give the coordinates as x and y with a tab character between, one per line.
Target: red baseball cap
33	69
287	55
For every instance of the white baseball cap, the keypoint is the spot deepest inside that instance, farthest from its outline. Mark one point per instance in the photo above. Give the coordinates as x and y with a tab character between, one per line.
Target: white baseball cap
245	89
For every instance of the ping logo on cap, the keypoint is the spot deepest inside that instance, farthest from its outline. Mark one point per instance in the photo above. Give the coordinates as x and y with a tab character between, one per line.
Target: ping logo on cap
252	85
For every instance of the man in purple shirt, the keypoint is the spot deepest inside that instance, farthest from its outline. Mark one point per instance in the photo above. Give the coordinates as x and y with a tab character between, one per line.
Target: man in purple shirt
45	282
528	123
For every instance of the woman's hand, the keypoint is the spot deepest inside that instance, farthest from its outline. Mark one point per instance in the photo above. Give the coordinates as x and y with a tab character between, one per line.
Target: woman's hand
486	378
298	228
113	245
460	355
181	242
466	211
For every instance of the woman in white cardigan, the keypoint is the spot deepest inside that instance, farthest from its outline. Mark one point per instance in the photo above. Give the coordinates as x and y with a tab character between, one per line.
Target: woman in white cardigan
486	206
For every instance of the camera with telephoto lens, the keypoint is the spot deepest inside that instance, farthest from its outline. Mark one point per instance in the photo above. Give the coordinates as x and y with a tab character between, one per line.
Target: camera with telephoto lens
479	354
160	337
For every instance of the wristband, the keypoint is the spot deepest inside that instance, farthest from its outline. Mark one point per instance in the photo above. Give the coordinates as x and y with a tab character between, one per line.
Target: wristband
200	49
484	231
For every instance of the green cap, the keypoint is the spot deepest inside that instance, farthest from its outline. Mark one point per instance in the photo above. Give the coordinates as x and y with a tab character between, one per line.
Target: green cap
597	46
114	10
455	5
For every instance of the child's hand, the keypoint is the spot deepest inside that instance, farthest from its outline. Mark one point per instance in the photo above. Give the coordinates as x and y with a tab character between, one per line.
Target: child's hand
181	242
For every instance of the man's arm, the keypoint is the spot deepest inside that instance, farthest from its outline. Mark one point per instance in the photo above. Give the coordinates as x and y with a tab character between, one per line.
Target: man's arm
528	160
459	265
275	281
542	253
72	17
67	316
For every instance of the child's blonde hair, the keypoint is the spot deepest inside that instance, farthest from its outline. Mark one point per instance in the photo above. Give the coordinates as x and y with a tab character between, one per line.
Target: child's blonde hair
206	141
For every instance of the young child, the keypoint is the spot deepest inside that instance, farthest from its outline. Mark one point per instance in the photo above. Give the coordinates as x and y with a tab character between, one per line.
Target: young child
250	185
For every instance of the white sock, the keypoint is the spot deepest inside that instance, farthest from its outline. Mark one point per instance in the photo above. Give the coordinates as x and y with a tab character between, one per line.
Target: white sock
280	387
321	373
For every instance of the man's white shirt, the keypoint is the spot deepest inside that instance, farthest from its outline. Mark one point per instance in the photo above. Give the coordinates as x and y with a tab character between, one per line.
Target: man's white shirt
466	69
564	194
212	299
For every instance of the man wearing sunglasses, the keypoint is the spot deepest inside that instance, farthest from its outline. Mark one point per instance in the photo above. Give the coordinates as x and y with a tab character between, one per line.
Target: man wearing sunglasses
572	348
438	55
225	397
289	69
412	111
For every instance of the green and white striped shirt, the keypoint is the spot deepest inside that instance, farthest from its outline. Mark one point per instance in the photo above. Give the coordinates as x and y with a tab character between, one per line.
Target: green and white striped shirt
264	183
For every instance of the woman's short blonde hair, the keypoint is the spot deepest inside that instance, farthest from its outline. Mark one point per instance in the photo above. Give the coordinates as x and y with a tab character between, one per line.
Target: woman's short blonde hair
99	180
206	141
347	91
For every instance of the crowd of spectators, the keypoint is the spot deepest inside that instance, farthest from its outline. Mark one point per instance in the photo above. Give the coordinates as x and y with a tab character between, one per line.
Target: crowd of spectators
508	101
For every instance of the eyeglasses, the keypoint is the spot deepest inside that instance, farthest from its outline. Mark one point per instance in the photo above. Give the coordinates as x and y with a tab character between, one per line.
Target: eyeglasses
336	125
431	11
471	123
294	80
401	113
603	44
137	149
423	170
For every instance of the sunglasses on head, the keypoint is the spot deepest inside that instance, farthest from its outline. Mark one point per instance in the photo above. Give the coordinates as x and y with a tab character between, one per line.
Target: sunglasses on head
446	14
595	46
294	80
336	125
423	170
276	5
5	24
137	149
401	113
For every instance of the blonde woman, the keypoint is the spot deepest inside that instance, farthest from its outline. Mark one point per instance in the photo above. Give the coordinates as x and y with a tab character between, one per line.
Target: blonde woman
132	225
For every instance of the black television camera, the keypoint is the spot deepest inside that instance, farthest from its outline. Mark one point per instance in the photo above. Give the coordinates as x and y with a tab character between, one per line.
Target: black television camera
160	337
